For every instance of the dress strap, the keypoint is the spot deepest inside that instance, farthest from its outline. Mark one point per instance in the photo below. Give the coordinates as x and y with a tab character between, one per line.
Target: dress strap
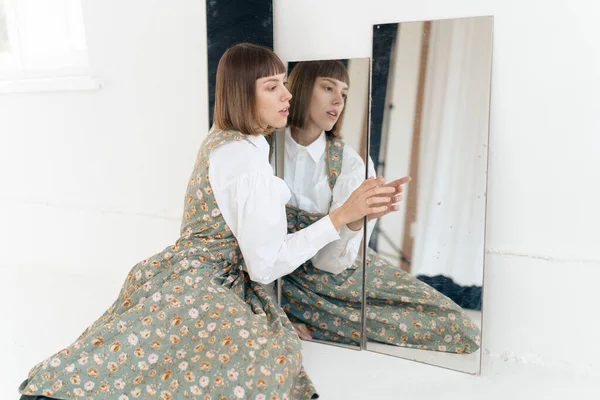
271	140
334	152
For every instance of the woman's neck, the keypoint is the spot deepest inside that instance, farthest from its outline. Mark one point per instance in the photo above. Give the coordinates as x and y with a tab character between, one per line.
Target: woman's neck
306	136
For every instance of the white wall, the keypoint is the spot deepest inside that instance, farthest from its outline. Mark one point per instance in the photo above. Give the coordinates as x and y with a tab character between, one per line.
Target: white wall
127	149
92	183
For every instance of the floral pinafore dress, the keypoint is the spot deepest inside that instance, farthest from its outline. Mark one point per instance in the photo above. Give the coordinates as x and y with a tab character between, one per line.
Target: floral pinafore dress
188	323
401	310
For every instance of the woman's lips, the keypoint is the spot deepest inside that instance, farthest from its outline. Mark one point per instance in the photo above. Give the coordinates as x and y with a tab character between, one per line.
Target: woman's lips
332	114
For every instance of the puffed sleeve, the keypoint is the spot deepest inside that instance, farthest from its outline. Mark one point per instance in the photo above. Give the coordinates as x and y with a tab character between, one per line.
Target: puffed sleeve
252	201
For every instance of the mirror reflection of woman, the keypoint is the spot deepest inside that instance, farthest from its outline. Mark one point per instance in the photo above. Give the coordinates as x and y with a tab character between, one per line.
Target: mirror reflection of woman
323	298
194	320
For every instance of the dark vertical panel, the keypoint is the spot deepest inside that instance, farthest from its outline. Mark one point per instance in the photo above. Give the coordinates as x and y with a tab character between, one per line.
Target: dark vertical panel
231	22
384	38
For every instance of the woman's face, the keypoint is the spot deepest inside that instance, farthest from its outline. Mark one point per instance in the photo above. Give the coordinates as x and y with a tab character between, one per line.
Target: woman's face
272	101
328	99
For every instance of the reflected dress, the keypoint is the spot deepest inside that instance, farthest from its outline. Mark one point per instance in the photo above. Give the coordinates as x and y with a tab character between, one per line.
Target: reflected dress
325	293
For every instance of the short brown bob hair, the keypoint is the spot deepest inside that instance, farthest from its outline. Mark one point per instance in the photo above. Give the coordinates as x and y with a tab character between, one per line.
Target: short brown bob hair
301	83
235	88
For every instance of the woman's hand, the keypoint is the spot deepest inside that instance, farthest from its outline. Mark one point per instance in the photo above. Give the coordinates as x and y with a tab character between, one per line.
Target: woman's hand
302	330
393	206
371	197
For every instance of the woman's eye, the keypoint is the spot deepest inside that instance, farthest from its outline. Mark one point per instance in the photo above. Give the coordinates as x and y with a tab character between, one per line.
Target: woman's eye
273	88
345	96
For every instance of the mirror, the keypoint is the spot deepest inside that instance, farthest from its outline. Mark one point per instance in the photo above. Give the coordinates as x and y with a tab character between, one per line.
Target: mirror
429	120
319	157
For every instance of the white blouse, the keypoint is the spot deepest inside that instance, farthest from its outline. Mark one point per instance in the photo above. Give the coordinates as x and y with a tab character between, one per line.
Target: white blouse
305	173
252	201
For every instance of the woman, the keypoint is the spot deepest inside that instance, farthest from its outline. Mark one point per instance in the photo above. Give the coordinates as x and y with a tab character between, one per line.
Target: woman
193	320
326	293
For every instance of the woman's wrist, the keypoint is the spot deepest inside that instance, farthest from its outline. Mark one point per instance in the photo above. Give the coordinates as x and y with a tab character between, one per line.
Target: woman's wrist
356	225
337	218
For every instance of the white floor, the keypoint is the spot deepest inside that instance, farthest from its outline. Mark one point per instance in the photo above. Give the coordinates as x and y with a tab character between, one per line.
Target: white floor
341	374
42	312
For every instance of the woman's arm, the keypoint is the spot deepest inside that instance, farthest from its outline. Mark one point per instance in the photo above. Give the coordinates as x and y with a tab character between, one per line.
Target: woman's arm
252	202
339	255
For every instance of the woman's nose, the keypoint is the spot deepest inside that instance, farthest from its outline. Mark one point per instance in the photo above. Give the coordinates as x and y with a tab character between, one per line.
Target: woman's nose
286	95
338	99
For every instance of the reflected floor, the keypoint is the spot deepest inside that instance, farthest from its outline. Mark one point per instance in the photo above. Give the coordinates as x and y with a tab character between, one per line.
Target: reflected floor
461	362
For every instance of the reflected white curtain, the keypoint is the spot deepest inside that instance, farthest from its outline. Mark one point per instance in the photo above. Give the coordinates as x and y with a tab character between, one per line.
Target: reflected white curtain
449	230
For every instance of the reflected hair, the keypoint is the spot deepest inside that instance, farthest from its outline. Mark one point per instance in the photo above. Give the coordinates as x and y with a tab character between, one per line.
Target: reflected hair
301	83
235	89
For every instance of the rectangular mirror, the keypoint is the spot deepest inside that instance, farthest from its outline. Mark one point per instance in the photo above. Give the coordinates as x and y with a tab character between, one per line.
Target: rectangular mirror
320	155
429	120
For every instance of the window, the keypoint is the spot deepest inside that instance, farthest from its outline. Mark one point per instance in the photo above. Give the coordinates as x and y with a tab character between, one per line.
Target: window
4	45
43	46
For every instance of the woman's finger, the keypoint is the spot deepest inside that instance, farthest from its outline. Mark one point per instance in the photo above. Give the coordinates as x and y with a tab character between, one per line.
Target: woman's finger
390	209
377	191
401	181
371	183
398	184
376	200
377	210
